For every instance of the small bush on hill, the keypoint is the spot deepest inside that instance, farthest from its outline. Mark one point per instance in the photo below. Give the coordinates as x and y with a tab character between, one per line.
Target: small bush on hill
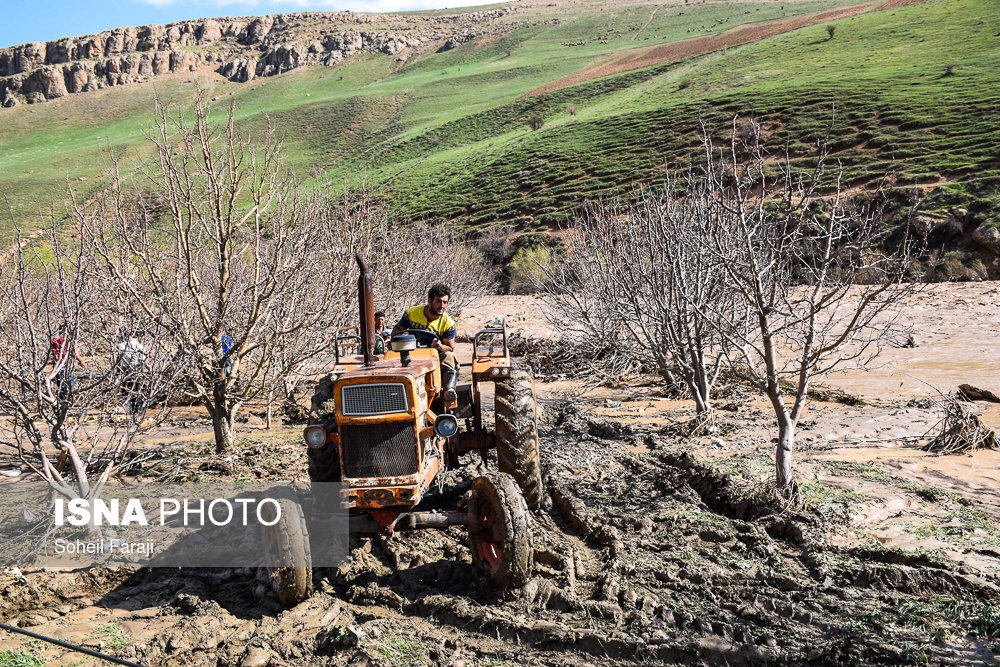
529	268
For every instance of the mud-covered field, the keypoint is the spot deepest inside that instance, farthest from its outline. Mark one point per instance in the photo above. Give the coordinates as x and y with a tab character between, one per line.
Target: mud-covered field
650	548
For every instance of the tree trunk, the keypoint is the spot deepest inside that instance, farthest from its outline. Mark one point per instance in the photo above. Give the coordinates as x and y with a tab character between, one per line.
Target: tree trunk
222	413
223	425
783	451
702	404
786	434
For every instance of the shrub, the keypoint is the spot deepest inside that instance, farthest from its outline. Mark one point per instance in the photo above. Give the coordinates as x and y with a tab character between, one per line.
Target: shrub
529	268
830	30
535	122
956	266
495	244
571	109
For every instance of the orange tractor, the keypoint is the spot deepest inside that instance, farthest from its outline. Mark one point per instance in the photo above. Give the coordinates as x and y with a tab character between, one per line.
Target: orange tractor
384	431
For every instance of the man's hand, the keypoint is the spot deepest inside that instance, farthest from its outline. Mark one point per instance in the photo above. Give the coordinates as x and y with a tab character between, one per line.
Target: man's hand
437	345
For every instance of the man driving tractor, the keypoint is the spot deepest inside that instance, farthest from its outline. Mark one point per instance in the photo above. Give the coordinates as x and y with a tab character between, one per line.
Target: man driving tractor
440	335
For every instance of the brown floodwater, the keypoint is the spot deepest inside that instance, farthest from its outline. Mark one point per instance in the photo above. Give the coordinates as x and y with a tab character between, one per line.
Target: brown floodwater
981	467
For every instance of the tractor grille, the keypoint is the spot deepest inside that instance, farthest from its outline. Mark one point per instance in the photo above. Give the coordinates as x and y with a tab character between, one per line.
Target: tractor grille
379	450
373	399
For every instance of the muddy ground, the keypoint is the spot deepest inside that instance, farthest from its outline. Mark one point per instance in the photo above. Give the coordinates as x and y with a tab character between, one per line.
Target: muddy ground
651	547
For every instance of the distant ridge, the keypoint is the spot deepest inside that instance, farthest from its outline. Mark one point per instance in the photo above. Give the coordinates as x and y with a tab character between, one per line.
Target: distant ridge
238	48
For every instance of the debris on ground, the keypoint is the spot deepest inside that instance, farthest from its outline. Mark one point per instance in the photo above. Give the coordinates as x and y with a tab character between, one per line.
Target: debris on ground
972	393
961	430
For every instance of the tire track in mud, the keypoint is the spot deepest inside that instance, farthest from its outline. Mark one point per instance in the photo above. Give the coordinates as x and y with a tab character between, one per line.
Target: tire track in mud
716	574
639	556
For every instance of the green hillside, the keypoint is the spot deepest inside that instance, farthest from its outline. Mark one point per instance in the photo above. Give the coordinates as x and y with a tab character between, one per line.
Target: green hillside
446	137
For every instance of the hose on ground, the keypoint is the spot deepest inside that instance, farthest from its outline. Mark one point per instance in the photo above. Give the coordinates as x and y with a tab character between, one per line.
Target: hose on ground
72	647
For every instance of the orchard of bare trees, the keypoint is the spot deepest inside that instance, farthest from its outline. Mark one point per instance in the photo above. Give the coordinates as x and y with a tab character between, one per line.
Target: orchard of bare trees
208	274
743	263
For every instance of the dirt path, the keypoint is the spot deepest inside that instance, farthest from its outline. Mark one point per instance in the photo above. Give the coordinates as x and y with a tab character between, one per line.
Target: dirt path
632	59
644	25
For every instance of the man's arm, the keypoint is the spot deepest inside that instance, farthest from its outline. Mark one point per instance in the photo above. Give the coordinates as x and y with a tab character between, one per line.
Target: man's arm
446	345
79	359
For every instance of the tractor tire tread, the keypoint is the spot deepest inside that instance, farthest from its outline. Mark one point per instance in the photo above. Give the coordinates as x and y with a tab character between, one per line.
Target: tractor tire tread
517	553
324	462
517	434
293	584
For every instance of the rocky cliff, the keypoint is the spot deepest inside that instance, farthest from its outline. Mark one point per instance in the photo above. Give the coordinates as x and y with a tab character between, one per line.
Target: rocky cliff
237	48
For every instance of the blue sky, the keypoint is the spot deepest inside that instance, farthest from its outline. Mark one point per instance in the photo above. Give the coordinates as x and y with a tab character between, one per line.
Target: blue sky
44	20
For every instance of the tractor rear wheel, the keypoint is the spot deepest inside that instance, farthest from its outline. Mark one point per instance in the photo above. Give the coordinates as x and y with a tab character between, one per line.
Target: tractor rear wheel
517	434
324	462
501	547
286	545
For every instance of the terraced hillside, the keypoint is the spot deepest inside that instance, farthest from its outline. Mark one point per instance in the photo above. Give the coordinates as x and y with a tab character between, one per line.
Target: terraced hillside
443	129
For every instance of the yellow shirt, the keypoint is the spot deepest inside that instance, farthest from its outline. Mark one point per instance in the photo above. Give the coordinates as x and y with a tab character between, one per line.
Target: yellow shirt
443	326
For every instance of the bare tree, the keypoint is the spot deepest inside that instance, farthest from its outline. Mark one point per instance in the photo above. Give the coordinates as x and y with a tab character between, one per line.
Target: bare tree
635	278
409	258
220	248
817	286
80	379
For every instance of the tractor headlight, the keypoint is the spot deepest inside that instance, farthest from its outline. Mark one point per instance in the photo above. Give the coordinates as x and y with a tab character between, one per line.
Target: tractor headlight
494	371
315	435
446	426
504	371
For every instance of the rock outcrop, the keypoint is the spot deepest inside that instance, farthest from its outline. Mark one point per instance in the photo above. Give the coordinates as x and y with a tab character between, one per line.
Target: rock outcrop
237	48
987	236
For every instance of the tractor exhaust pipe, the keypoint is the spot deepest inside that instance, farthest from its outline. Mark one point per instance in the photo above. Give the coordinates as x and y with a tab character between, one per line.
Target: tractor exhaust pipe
366	310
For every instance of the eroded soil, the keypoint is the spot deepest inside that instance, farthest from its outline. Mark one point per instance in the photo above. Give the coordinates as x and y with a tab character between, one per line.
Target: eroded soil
651	547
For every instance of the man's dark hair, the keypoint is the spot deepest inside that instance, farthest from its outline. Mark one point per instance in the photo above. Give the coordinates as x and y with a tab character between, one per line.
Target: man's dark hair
438	289
379	313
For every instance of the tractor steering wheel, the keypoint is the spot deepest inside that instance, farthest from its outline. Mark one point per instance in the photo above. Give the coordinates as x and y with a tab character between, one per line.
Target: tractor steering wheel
419	333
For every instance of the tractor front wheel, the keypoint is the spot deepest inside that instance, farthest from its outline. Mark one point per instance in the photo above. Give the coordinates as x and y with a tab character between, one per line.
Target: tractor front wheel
501	545
517	434
324	462
286	545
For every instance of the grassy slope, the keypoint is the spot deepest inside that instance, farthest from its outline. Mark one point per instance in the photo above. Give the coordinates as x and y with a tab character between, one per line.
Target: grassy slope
444	137
895	111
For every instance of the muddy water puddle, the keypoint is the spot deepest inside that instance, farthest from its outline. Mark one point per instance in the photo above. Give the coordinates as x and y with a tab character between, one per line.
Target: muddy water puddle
979	469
